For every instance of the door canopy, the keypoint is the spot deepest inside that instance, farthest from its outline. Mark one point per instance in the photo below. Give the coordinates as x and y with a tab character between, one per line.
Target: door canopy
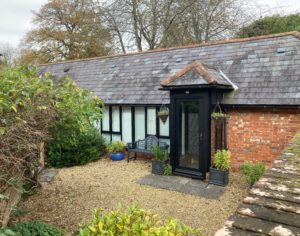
197	74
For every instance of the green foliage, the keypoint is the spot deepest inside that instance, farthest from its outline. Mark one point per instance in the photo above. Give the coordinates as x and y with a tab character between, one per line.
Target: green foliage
74	140
33	228
26	111
168	170
271	25
33	110
163	112
158	153
134	221
84	147
18	86
217	115
222	159
76	107
253	171
117	146
7	232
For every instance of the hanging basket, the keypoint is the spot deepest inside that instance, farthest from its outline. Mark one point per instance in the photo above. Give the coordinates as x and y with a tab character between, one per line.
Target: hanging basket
164	118
219	119
217	115
163	113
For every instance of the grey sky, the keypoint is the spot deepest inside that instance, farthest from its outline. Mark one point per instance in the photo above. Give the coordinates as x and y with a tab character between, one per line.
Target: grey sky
15	15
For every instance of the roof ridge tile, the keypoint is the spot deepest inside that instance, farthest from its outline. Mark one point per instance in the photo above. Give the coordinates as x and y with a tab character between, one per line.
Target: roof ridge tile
210	43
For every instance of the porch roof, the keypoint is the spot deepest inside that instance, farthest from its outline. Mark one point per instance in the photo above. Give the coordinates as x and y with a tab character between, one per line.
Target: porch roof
265	70
196	73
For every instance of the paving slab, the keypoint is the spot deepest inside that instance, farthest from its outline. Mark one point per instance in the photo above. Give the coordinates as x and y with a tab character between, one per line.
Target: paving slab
47	175
184	185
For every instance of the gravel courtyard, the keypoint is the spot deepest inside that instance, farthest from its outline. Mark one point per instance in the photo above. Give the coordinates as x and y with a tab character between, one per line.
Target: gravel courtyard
70	199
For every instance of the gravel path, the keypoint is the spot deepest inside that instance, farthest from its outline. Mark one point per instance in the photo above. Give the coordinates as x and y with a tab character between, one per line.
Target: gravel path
70	199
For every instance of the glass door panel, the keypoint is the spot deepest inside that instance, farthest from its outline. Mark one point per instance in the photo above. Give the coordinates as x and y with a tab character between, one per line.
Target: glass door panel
189	134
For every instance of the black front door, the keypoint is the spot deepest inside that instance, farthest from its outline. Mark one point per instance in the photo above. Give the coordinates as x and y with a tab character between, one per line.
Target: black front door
190	154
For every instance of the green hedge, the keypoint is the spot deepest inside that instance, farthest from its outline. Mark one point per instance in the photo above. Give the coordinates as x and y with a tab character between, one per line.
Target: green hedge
85	147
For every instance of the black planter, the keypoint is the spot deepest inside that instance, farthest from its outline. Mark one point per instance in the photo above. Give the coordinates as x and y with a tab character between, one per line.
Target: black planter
158	167
218	177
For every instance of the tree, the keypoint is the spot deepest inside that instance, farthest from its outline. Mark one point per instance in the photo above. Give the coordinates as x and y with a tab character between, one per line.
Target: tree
66	29
271	25
8	53
149	24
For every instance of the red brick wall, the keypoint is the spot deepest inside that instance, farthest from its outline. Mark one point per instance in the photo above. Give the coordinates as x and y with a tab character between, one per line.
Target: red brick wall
260	134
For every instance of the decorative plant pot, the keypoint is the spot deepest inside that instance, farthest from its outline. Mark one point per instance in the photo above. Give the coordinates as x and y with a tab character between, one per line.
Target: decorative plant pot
218	177
158	167
117	156
163	118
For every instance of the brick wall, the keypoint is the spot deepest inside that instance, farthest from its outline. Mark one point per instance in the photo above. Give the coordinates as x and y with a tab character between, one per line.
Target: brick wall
260	134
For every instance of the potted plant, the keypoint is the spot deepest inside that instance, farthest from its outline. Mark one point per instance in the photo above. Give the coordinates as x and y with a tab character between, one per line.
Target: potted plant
160	160
219	173
116	150
163	114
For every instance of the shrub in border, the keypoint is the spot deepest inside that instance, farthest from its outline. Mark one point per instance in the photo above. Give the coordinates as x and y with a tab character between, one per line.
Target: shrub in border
35	228
134	221
84	148
253	171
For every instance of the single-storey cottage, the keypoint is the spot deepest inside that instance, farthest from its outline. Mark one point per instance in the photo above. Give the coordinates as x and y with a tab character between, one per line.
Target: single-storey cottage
255	81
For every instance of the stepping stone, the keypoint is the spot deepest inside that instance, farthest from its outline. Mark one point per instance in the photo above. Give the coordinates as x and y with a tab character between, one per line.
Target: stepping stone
47	175
183	185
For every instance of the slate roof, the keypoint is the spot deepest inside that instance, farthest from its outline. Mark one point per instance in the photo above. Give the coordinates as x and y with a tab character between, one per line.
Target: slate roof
196	73
273	204
265	69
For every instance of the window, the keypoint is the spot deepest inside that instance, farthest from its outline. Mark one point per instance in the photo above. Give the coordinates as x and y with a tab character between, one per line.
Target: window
164	128
126	124
105	119
131	123
139	119
116	119
151	121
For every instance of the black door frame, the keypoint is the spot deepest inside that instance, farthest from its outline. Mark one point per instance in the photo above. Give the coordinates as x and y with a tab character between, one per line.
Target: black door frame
204	97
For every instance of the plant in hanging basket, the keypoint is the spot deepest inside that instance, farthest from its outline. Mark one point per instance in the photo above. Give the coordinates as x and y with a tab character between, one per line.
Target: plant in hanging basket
163	114
218	115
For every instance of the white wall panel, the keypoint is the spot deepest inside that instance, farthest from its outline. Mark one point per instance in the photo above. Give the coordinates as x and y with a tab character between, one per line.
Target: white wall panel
106	137
115	119
151	121
105	119
126	124
139	123
164	128
116	137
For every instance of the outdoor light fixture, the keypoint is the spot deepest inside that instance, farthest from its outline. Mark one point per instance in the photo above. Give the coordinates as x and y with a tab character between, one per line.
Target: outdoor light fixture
187	92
